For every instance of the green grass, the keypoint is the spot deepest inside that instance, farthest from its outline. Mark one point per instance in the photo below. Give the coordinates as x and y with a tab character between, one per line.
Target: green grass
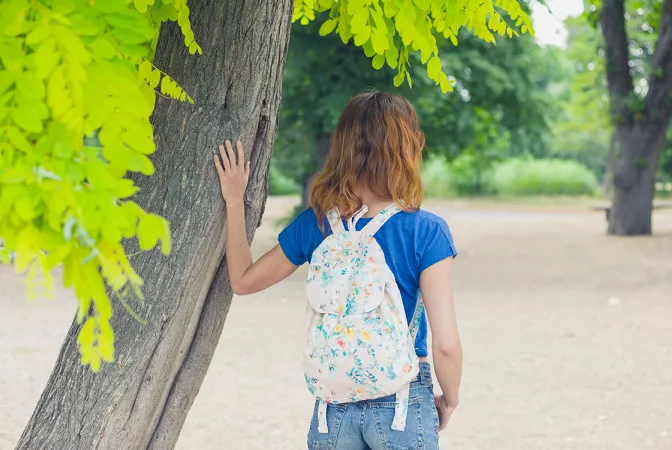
517	177
511	178
436	178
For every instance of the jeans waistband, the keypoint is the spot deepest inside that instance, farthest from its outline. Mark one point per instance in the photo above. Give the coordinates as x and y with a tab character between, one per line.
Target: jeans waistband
424	378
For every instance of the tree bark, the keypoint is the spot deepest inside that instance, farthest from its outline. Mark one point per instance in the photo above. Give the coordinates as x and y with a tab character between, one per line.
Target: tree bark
141	400
640	126
609	168
634	181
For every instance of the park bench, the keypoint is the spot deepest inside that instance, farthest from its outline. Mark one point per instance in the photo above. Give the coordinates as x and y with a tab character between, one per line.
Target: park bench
657	204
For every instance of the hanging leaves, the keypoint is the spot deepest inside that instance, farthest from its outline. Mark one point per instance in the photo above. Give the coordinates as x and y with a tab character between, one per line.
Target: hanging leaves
77	89
388	30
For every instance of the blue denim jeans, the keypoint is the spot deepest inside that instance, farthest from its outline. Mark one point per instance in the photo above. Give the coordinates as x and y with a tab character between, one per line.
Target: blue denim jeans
367	425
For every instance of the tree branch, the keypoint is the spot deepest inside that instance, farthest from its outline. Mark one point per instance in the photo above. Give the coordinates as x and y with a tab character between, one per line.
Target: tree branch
658	101
619	78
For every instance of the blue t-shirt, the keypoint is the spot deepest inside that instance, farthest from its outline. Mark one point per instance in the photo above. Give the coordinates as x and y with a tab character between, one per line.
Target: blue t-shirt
411	242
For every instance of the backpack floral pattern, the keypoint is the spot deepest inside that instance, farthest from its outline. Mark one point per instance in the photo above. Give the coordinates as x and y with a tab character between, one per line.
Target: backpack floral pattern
359	345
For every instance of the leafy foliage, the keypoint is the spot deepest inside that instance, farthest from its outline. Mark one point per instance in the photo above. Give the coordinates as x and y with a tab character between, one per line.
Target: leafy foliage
501	105
389	31
76	93
584	129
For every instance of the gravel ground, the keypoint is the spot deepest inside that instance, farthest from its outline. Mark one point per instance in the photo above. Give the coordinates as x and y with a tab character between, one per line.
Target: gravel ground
567	340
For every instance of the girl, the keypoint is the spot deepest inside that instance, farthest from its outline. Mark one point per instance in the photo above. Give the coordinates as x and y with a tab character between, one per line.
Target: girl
374	161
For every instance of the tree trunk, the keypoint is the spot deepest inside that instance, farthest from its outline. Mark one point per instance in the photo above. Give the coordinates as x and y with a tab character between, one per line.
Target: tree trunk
640	123
322	143
141	400
634	180
609	168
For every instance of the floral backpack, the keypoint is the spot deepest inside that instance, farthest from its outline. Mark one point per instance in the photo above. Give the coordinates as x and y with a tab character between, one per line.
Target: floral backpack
359	345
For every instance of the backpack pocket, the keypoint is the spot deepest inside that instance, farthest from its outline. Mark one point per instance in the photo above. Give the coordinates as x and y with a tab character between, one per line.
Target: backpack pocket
359	356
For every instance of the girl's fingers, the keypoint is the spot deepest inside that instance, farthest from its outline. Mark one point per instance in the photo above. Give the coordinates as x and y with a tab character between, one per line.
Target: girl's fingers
247	169
225	158
218	166
231	155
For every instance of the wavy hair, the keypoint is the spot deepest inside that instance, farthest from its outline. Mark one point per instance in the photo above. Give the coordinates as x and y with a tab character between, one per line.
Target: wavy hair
377	143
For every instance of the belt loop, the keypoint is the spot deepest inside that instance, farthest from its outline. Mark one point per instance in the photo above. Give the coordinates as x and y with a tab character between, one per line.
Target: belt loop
425	374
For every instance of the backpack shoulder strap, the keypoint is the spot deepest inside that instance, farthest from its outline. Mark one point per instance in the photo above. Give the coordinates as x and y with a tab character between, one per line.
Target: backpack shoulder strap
383	216
335	221
414	325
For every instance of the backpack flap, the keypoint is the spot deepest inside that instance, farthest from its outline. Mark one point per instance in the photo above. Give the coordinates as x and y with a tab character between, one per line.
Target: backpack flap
344	276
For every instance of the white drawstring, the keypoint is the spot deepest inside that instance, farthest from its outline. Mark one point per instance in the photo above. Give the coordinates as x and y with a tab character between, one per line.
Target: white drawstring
322	418
401	408
352	222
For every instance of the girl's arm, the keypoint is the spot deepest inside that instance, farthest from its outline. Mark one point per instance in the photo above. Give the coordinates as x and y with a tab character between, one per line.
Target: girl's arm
446	346
245	276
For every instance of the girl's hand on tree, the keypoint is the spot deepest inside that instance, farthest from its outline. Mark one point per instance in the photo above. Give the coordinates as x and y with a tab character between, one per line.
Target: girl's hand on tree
233	174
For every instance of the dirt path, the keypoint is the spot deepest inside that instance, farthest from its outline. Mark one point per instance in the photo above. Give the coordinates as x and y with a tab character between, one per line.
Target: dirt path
567	338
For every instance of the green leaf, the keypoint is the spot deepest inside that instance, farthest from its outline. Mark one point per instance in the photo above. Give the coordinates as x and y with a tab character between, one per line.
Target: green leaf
97	288
83	25
145	70
379	41
328	26
24	208
391	9
378	62
434	68
103	48
28	84
47	57
18	139
380	21
6	80
86	337
154	78
168	86
150	229
141	5
398	79
445	85
95	362
368	50
363	37
12	54
392	57
354	6
5	256
27	118
360	21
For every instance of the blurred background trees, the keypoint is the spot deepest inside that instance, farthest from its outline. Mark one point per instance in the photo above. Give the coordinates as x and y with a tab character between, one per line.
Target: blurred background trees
524	119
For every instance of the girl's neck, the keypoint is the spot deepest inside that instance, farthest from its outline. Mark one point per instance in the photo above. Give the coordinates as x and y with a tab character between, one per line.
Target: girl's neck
373	203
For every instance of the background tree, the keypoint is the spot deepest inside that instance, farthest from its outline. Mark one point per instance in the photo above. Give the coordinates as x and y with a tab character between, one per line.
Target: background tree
584	132
639	81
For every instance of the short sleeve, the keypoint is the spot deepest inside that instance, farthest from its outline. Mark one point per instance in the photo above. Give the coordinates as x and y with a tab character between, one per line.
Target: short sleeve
439	244
299	237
